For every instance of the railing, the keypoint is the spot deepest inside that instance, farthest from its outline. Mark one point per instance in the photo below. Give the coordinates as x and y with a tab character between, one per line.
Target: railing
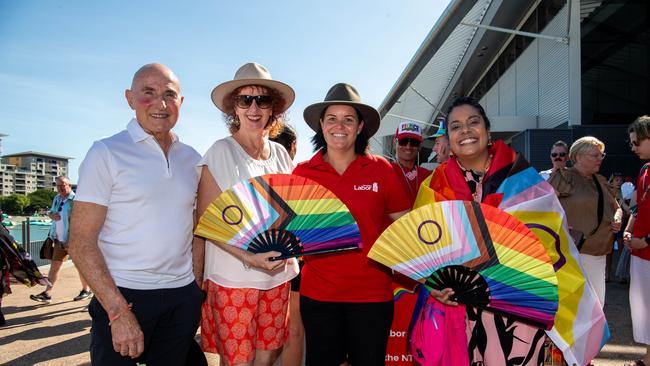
34	249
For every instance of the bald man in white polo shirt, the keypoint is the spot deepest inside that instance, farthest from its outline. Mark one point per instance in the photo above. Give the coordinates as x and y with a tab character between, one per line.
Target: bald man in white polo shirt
131	231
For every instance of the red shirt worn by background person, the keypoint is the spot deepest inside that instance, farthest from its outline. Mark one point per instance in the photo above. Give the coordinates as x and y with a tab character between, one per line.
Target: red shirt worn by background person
411	179
404	287
642	223
370	190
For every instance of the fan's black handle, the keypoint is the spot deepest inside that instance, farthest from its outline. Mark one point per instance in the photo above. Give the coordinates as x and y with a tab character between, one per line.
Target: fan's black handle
277	240
322	251
469	287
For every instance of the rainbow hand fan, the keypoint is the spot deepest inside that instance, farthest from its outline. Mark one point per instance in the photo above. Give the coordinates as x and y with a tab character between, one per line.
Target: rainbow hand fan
280	212
489	258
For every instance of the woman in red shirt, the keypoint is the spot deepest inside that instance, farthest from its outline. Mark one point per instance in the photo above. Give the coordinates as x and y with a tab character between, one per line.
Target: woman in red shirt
346	299
637	238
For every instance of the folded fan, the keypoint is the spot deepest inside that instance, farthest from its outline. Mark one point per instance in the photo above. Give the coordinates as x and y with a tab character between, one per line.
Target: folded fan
280	212
490	259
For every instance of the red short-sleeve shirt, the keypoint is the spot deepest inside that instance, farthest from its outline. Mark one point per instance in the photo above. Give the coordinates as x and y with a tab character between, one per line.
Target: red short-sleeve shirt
370	189
642	223
412	185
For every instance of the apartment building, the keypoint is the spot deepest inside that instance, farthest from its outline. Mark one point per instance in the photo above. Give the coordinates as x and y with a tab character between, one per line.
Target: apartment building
28	171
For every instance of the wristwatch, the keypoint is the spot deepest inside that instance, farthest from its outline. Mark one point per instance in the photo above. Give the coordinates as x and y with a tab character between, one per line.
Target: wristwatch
647	240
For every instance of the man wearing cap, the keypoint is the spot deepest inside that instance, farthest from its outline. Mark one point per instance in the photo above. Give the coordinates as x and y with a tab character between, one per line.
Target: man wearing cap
441	144
559	156
408	139
131	231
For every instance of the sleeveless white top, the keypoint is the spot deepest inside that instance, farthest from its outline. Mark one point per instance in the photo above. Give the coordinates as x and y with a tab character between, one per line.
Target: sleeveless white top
229	164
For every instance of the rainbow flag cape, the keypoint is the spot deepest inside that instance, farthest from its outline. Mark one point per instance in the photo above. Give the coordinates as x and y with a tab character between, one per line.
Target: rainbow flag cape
580	329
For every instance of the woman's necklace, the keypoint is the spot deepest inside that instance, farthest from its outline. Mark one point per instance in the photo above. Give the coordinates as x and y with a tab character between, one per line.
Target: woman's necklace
257	153
474	179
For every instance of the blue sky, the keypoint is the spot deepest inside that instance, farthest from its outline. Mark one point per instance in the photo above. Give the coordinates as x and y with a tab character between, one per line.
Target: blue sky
64	65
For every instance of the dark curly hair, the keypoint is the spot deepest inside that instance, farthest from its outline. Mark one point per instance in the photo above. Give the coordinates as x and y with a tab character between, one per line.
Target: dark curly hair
460	101
360	144
275	122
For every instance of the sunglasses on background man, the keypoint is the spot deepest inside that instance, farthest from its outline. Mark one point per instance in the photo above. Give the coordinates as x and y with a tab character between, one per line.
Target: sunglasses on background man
409	141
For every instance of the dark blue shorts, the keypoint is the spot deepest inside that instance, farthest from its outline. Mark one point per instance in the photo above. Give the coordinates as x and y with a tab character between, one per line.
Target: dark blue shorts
168	318
342	331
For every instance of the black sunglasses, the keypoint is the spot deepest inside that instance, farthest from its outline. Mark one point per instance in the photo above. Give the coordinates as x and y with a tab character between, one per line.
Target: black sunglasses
262	101
554	155
412	142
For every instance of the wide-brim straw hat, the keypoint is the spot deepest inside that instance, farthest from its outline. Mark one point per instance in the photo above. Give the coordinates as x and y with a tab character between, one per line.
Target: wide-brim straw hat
344	94
251	73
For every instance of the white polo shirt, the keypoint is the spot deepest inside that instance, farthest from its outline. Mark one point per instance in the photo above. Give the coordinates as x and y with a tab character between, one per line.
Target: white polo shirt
146	239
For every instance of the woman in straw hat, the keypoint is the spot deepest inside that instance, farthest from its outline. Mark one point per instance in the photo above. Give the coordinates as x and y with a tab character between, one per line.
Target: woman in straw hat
346	300
244	318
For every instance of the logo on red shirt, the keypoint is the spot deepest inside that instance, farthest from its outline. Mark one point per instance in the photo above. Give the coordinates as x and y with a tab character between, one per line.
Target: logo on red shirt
367	187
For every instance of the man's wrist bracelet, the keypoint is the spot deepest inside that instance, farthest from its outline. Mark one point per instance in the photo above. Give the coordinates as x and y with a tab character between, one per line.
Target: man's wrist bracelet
118	315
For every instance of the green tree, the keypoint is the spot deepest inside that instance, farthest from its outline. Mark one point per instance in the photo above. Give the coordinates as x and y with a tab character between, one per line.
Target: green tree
40	199
15	204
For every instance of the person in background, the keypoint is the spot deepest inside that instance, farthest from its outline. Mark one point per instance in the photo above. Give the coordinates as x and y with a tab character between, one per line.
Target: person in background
294	349
131	231
287	138
346	300
615	182
593	214
559	156
629	197
637	238
59	231
240	331
441	144
408	139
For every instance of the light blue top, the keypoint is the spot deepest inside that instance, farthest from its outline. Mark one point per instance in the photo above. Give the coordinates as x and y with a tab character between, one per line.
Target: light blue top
66	208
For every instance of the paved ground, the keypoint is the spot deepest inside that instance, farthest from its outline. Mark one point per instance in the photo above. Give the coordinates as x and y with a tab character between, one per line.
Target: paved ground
55	334
58	334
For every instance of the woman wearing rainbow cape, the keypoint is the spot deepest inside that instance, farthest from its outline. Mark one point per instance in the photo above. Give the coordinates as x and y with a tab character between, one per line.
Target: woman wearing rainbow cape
494	174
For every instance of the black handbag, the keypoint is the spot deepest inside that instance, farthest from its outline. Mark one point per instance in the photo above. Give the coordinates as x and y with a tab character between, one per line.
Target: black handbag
47	249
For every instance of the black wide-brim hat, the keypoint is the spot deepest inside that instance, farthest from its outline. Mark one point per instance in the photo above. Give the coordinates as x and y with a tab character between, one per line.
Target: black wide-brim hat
343	94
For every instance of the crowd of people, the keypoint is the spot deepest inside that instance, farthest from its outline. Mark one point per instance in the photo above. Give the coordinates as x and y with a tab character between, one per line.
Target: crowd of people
154	284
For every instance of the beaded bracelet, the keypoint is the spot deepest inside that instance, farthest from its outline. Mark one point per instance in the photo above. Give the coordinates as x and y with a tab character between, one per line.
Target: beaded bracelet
118	315
247	267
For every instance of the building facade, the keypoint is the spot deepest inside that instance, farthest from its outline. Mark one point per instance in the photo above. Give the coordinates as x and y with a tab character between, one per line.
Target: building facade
544	70
28	171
